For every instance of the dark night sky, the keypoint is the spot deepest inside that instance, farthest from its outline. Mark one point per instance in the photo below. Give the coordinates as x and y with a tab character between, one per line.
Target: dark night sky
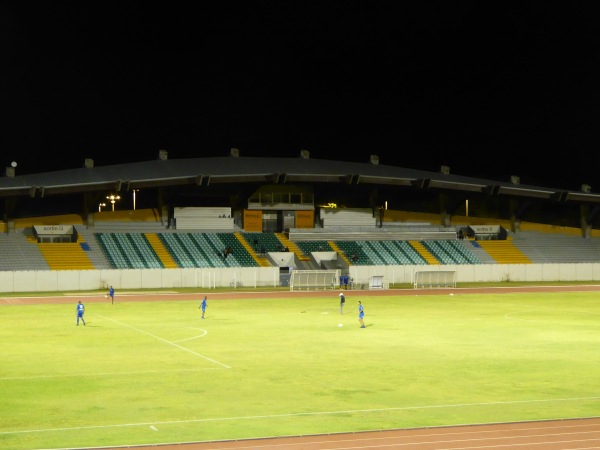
487	92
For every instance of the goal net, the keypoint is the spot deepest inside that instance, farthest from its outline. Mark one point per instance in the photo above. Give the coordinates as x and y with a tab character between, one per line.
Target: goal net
435	279
314	279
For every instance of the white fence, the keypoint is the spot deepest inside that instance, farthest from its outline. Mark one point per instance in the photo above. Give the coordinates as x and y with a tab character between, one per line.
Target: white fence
82	280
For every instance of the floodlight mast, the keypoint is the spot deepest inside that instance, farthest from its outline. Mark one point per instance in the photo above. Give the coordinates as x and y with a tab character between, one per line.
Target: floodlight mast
113	199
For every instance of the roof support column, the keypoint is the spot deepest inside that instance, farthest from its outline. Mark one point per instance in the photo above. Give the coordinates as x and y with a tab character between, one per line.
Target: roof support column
515	222
586	228
445	217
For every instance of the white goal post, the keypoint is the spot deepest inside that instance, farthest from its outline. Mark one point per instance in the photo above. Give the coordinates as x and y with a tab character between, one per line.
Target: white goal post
314	279
435	279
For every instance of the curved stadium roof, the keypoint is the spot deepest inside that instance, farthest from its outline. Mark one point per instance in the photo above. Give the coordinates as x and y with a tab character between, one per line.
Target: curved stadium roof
236	169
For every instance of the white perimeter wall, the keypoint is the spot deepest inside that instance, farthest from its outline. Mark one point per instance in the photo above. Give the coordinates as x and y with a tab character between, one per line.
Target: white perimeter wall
83	280
483	272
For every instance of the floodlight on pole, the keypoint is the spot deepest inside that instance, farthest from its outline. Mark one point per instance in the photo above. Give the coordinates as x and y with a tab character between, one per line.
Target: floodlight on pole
100	206
113	199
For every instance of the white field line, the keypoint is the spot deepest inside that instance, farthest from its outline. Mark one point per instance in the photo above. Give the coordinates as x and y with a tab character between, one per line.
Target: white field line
202	334
303	414
102	374
165	341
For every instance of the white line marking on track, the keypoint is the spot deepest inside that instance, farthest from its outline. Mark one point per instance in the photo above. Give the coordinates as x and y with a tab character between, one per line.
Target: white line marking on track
13	301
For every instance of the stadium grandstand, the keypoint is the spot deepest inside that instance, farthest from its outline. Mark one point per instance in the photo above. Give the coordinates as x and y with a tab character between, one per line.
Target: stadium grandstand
236	221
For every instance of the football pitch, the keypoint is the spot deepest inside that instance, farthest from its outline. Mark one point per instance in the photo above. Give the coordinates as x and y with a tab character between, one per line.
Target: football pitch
153	372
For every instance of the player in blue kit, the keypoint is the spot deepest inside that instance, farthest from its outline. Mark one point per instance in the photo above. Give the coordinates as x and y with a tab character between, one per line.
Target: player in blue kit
111	294
203	306
80	311
361	315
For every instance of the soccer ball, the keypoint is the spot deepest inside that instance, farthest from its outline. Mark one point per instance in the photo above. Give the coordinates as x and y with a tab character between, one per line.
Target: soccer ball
105	295
340	325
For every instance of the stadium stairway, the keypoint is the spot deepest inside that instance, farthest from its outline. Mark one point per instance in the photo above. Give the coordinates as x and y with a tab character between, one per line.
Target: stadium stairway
426	254
261	261
292	247
339	251
473	247
161	251
93	249
504	252
65	256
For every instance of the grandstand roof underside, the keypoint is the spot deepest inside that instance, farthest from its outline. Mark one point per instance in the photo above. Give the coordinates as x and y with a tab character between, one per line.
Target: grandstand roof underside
203	172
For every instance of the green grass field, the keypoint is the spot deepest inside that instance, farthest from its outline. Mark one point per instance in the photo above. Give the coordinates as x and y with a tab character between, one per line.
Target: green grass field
154	372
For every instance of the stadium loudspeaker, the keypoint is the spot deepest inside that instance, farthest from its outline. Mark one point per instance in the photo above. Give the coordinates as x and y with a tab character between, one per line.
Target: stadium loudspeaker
163	155
515	179
88	163
445	170
374	159
235	152
586	188
304	154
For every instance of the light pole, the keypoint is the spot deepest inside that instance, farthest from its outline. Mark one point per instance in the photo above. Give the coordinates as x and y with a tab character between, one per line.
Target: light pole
113	199
134	191
100	206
